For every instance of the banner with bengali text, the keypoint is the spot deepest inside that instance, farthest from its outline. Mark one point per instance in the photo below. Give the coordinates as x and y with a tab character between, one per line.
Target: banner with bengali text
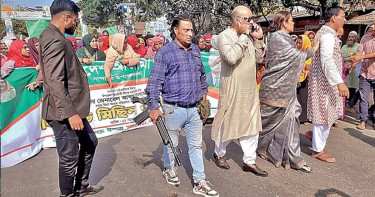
111	109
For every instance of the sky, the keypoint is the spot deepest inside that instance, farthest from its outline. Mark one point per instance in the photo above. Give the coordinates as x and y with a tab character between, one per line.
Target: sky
29	3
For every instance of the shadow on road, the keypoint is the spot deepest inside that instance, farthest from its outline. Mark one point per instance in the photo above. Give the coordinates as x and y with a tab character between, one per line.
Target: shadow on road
234	150
359	135
330	192
305	144
102	167
157	156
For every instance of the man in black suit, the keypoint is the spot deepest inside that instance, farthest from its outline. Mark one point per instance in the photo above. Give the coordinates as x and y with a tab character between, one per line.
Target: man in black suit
66	101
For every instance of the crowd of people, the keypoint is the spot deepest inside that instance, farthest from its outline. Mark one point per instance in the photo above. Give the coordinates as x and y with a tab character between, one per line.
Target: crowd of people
305	79
17	53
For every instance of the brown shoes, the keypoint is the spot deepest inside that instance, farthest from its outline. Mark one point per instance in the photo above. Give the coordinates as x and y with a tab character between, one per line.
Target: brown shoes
254	169
221	162
309	135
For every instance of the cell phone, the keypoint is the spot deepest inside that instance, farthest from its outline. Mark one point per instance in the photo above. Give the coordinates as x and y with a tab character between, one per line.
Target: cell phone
252	28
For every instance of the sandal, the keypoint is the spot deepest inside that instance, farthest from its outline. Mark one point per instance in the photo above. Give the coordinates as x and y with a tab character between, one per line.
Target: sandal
323	156
304	168
309	135
361	126
262	154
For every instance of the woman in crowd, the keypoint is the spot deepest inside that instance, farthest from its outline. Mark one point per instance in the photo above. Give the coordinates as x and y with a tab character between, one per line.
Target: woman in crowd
79	44
105	33
33	44
303	43
19	52
157	43
279	139
100	41
199	41
73	40
133	41
142	42
311	35
89	51
148	39
120	50
4	49
105	45
207	39
162	37
295	38
6	66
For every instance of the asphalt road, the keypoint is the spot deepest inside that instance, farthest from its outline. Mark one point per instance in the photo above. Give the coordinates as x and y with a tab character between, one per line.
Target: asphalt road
130	164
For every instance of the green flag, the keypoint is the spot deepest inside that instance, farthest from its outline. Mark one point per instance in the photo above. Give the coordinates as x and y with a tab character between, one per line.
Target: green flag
35	28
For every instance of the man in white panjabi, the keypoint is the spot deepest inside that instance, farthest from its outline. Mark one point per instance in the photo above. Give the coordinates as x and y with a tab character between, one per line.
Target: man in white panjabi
238	115
326	86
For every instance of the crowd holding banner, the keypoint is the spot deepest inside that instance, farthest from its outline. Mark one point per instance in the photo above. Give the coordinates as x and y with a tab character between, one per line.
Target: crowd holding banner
24	133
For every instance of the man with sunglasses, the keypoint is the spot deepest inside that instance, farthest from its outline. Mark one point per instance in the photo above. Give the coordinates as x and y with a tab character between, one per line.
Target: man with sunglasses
238	117
66	101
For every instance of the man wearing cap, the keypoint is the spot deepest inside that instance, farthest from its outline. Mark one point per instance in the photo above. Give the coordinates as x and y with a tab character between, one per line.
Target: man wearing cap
348	50
366	52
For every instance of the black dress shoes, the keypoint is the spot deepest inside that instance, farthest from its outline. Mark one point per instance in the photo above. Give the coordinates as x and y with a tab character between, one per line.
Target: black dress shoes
90	190
254	169
221	162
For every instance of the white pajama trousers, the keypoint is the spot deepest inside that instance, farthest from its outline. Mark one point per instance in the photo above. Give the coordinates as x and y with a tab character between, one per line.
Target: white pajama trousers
320	135
249	145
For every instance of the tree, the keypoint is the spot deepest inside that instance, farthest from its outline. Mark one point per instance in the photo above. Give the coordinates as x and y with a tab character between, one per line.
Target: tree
19	27
3	29
148	10
100	13
214	15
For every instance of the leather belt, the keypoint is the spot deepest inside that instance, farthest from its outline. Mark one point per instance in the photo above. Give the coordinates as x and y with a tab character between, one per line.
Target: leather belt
179	105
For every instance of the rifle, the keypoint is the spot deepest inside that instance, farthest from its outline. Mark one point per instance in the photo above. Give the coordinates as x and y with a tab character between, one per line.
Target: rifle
160	125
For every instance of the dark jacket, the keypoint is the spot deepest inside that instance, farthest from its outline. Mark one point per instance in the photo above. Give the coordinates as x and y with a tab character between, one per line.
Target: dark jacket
66	89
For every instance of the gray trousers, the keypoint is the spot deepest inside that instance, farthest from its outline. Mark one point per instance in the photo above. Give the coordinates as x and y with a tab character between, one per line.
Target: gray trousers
364	90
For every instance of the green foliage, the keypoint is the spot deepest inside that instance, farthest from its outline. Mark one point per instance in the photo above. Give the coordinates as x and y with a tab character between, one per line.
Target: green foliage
3	29
148	10
19	27
100	13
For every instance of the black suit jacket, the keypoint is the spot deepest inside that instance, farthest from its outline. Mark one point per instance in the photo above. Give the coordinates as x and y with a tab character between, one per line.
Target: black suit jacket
66	89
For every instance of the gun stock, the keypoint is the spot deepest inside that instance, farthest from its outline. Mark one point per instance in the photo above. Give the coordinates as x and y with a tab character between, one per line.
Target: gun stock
142	117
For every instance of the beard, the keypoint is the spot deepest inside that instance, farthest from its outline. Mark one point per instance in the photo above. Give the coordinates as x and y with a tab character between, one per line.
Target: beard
70	30
350	43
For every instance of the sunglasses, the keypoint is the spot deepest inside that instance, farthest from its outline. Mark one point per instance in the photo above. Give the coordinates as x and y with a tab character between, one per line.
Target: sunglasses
247	19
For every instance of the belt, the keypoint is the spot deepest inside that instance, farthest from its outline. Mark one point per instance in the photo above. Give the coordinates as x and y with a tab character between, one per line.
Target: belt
179	105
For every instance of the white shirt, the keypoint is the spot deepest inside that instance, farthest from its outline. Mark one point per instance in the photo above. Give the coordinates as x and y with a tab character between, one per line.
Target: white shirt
327	45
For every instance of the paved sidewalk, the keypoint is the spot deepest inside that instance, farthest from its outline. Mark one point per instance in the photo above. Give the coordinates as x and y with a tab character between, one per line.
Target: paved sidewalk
130	164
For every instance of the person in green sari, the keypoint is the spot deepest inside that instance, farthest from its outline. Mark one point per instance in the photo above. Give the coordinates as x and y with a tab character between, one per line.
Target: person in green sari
89	51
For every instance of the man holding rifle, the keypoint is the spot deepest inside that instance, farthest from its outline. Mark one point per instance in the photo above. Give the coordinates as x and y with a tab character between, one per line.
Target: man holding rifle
178	75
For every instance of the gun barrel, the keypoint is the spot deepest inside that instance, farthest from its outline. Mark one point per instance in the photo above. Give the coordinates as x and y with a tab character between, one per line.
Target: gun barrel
167	138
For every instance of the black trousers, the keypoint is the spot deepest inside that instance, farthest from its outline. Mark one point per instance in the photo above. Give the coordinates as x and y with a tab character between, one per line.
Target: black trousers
76	151
302	96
